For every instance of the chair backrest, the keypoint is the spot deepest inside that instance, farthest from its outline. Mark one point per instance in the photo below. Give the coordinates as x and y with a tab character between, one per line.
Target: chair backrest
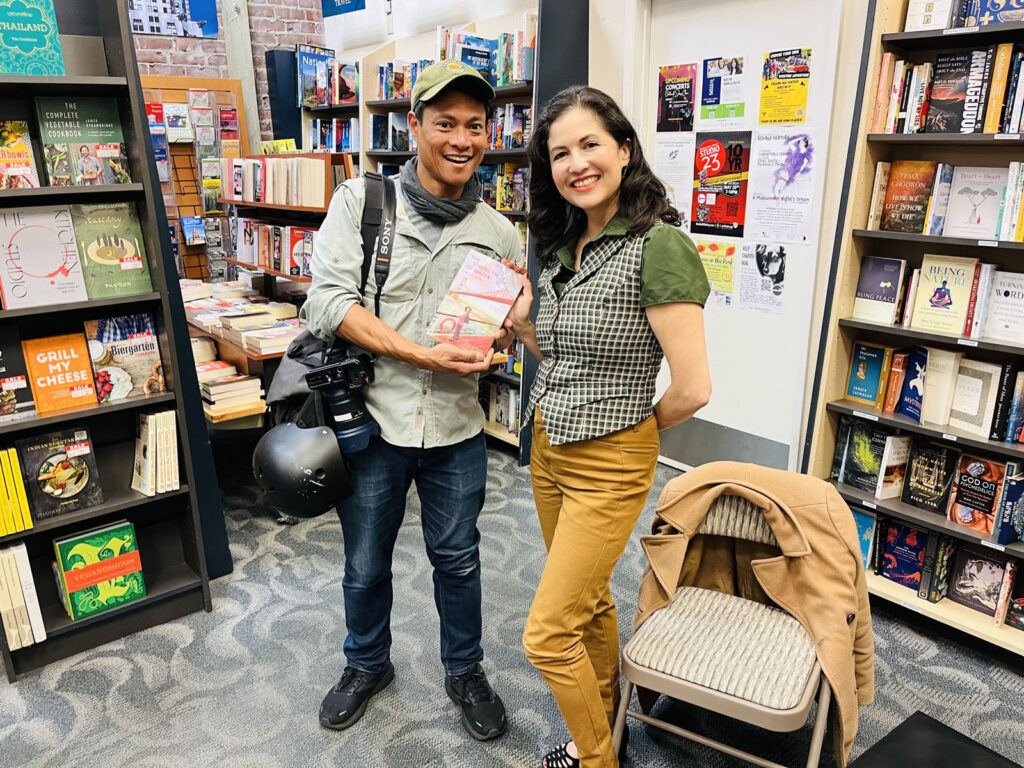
737	518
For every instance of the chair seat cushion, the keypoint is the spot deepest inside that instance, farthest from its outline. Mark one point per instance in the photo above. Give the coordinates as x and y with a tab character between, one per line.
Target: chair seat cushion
735	646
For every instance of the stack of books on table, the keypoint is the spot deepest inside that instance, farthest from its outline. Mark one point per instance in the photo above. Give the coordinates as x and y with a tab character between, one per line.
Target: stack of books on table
269	341
214	369
232	397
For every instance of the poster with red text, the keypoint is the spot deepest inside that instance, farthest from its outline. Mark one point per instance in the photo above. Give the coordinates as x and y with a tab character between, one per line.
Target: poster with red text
720	172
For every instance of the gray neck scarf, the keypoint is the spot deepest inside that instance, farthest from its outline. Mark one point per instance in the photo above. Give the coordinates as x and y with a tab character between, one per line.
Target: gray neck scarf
441	210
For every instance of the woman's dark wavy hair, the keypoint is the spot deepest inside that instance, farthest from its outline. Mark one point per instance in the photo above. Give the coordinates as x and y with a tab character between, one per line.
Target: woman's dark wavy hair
642	198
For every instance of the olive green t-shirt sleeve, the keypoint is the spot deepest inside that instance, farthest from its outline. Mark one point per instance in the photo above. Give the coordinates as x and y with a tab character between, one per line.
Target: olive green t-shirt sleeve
671	271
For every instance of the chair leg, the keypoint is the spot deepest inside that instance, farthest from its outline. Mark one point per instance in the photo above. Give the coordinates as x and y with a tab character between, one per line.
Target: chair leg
620	716
820	723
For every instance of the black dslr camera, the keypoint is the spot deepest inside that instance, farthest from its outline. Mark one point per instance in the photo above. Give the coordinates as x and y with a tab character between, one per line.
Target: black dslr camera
340	381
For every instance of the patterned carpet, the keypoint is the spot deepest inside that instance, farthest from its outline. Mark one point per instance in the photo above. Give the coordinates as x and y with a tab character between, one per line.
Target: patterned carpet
241	686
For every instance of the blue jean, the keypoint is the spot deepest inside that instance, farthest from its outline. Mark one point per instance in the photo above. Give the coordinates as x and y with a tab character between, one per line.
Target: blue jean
450	483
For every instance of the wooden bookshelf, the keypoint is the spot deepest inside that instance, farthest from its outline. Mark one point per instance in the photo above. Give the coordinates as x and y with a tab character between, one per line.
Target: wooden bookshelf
500	432
269	271
322	210
840	331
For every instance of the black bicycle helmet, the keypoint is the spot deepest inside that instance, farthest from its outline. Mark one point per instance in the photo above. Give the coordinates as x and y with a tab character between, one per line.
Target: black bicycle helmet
301	471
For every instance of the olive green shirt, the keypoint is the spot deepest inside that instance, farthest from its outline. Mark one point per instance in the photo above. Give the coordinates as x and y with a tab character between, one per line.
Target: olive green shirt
671	270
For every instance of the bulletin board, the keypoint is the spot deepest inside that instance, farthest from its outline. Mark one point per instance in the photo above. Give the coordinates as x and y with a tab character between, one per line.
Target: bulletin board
183	193
760	93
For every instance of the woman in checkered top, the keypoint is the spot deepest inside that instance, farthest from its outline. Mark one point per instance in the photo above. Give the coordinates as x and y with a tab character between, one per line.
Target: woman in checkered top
620	290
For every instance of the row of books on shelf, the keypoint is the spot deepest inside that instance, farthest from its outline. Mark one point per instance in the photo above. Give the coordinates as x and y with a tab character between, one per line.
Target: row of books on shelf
504	186
940	387
334	135
513	360
95	570
504	60
500	403
196	120
81	140
279	147
156	454
963	487
390	133
937	566
923	15
948	295
323	79
286	180
56	254
511	126
922	197
973	91
116	358
287	249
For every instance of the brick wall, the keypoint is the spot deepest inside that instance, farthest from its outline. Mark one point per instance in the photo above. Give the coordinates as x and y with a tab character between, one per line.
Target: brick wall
272	24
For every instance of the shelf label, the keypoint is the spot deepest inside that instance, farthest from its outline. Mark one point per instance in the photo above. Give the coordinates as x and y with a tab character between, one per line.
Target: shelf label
868	416
992	545
1008	136
951	438
989	243
914	608
869	504
958	30
967	342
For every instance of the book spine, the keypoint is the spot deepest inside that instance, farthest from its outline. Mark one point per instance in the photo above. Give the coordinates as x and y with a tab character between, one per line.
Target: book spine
1005	591
7	616
1006	120
972	302
1013	422
881	535
19	488
990	57
895	94
984	300
1006	205
908	309
908	86
878	194
940	576
883	378
1004	397
928	568
28	588
17	597
997	89
882	92
1014	109
896	376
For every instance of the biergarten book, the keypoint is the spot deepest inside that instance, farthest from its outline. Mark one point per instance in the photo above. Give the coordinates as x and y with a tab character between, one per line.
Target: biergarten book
99	569
59	372
40	263
15	392
60	473
125	357
111	249
476	304
30	44
83	144
905	206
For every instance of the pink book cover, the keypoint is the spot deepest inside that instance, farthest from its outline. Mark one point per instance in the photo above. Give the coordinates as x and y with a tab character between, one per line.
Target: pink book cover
476	304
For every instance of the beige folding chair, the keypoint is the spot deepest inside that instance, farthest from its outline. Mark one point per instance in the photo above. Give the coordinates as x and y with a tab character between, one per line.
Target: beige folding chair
727	654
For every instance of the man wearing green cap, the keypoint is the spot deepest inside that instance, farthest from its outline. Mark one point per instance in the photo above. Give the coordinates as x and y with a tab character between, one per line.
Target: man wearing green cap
424	397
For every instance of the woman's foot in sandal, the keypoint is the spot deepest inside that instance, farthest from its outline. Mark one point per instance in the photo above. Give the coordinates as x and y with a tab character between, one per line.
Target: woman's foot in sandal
562	756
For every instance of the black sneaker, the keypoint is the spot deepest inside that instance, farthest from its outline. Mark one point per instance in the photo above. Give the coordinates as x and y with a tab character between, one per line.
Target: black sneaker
346	702
483	713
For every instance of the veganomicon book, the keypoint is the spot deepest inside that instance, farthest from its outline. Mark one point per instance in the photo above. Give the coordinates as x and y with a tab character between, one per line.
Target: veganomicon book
99	569
477	303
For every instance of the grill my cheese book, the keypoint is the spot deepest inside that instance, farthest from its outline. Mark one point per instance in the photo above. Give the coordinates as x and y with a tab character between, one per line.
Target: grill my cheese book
59	372
99	569
38	257
111	250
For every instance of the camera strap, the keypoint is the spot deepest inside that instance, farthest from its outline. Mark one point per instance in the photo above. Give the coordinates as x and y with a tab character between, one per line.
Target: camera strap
385	242
377	230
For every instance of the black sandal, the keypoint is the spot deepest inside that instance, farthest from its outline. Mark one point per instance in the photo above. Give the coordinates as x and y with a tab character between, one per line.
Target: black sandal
559	757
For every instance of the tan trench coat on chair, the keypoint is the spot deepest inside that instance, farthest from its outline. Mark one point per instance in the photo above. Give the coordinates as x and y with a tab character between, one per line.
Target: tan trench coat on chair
819	577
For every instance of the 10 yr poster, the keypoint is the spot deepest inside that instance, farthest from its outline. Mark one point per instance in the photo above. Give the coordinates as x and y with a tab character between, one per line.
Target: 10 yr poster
720	171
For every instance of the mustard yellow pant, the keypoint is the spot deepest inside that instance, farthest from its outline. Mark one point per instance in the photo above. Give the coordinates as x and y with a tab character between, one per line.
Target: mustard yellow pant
589	495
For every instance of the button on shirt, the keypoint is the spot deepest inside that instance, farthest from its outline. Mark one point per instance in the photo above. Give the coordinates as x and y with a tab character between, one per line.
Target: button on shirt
415	408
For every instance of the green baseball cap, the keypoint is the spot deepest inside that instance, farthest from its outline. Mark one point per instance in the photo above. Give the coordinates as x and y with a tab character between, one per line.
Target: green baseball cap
435	78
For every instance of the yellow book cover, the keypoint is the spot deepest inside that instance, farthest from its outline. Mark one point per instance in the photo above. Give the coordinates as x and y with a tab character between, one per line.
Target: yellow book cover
12	514
19	488
943	294
5	513
997	91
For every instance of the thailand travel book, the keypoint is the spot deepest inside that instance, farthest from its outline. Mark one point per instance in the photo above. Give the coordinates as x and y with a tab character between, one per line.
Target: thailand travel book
30	44
477	303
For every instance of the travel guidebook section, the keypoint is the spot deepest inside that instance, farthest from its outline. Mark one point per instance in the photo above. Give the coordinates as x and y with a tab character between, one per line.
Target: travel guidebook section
82	141
60	472
30	44
476	304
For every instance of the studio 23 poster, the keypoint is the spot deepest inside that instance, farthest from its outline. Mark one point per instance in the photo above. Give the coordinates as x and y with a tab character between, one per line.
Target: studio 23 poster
720	170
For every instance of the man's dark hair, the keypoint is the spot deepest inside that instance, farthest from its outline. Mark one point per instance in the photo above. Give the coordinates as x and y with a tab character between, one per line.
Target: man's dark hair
460	87
642	198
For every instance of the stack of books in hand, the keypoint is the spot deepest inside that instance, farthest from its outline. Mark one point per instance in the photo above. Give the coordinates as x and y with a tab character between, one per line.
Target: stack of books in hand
232	397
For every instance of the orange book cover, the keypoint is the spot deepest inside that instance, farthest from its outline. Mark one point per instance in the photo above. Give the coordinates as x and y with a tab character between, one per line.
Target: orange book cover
906	198
997	89
59	372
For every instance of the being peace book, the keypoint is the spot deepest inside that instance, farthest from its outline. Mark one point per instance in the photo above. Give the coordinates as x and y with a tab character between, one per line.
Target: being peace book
82	141
59	372
99	569
476	304
930	472
15	392
38	260
30	44
17	163
905	206
878	289
943	294
60	472
111	249
974	202
125	357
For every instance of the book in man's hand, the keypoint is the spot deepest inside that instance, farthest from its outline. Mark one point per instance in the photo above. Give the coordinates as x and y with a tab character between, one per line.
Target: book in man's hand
476	304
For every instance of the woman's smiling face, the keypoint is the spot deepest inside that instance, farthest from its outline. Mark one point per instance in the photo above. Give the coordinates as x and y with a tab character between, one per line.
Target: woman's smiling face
586	161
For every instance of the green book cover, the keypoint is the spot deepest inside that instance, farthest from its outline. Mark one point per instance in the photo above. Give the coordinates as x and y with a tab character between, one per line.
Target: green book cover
110	250
29	43
99	569
83	144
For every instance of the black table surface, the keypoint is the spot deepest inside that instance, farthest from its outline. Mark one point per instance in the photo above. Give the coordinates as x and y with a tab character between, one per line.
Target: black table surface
923	742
